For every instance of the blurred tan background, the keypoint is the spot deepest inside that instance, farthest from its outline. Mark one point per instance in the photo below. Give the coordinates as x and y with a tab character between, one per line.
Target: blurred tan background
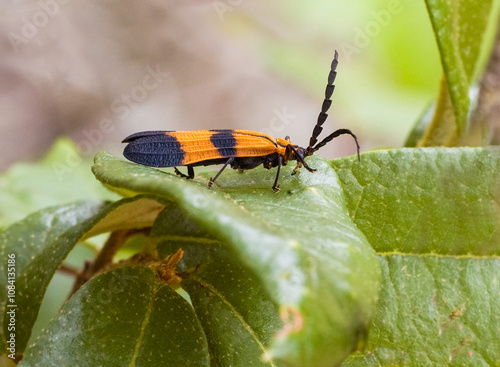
97	71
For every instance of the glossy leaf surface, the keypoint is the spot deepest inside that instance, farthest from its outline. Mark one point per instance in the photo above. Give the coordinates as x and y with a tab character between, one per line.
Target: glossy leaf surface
433	217
313	262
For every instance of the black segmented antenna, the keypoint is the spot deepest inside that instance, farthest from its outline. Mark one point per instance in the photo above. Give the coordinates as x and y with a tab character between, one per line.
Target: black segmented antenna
327	102
333	135
323	115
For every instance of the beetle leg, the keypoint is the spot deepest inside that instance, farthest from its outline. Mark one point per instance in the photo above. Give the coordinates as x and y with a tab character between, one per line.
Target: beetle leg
309	168
300	162
212	180
297	167
190	174
276	187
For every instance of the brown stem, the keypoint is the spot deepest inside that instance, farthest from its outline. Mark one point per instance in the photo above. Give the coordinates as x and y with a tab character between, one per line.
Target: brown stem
68	270
105	257
486	116
166	269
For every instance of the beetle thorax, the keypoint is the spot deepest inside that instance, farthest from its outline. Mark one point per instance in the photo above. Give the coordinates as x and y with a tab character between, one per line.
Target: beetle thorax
283	148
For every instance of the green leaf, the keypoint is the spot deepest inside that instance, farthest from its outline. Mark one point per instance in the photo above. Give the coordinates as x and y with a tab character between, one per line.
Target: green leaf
435	311
220	288
314	263
124	317
62	177
433	217
426	200
32	241
43	240
459	26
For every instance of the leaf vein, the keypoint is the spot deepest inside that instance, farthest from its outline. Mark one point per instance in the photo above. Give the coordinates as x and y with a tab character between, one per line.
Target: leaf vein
143	326
465	256
239	316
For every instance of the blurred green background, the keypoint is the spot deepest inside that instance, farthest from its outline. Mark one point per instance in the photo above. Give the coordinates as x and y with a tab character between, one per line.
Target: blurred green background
78	69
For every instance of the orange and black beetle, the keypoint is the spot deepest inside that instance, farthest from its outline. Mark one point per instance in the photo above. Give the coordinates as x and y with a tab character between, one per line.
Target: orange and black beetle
242	149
